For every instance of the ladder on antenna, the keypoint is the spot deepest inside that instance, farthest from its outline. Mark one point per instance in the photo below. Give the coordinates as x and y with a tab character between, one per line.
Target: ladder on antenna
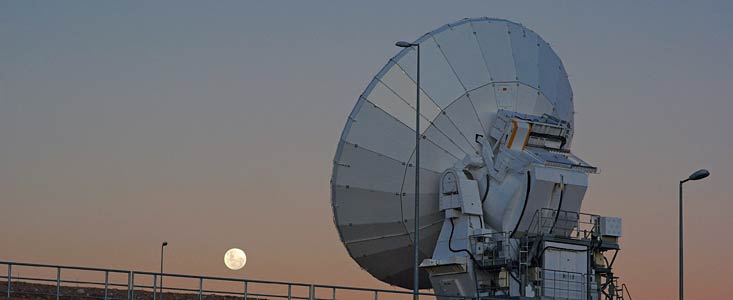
524	263
618	290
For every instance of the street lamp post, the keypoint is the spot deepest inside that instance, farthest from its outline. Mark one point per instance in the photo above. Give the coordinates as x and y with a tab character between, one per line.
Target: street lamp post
416	269
165	243
699	174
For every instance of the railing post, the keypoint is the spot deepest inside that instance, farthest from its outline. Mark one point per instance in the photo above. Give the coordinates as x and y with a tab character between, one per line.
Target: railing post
246	292
376	295
58	282
10	275
106	284
131	283
290	288
333	297
128	285
201	287
155	285
312	292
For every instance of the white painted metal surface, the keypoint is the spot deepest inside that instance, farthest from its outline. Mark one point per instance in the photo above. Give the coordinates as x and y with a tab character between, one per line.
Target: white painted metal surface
564	271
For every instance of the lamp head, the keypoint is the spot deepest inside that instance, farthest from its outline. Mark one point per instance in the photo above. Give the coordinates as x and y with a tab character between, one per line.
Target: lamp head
699	174
165	243
403	44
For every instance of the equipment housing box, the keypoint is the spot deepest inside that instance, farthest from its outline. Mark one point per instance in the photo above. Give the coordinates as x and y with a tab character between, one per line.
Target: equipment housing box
610	226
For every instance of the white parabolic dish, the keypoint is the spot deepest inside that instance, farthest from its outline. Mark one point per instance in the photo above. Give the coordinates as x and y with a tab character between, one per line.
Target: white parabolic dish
469	70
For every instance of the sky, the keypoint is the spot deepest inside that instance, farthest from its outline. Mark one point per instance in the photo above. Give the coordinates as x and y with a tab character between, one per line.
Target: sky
213	125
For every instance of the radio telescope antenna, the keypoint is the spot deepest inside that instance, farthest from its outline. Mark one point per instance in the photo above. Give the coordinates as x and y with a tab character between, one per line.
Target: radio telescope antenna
497	109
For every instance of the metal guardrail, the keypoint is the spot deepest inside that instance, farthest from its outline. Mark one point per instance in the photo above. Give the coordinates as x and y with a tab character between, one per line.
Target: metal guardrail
563	284
133	287
563	223
625	292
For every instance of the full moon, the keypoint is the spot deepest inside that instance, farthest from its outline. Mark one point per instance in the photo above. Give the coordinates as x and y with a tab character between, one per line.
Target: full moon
235	259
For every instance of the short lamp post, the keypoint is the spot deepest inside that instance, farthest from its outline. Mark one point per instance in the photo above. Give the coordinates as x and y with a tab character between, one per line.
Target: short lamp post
162	246
699	174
